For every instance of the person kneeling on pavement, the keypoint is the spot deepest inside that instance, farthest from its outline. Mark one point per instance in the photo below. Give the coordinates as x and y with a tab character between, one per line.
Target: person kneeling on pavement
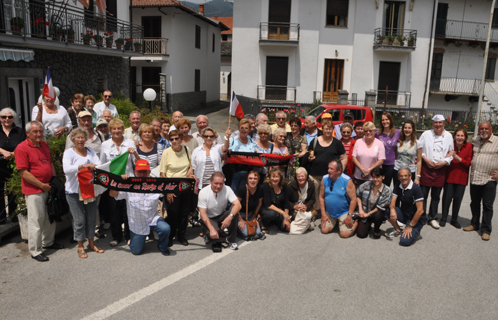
142	214
337	201
218	220
251	199
407	207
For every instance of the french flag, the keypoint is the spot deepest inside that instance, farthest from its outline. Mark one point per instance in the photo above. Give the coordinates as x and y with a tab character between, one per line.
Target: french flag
235	107
48	88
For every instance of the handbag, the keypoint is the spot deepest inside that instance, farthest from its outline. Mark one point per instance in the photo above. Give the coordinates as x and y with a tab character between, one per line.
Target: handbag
252	226
301	223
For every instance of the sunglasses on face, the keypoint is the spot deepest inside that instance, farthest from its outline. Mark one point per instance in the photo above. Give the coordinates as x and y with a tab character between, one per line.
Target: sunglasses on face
174	139
280	118
206	136
107	96
7	117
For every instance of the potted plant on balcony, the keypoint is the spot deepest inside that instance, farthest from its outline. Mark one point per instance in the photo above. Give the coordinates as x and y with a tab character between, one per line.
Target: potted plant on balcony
109	38
380	39
99	40
38	27
101	23
119	43
57	33
390	39
129	44
70	35
16	24
411	41
401	39
87	37
138	46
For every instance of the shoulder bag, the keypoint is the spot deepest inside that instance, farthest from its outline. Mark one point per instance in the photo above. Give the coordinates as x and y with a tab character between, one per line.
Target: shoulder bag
252	225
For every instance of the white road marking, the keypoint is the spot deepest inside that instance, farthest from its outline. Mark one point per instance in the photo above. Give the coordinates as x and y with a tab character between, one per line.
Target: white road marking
157	286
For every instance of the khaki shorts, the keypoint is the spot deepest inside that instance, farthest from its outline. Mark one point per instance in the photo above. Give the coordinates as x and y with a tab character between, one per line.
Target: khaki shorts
333	221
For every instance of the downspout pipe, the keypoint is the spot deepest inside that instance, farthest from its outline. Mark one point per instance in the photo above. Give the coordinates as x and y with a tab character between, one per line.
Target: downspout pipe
429	56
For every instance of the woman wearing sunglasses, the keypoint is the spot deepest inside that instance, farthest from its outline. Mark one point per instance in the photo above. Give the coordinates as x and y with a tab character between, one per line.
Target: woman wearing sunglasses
10	136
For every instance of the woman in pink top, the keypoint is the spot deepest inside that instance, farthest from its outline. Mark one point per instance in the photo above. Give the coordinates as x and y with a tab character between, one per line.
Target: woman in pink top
368	154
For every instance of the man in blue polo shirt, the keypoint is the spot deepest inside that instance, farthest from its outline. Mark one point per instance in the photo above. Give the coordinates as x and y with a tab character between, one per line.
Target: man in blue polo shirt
407	206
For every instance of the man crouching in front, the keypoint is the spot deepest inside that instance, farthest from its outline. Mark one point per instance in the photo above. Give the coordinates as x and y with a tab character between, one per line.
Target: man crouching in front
142	213
338	201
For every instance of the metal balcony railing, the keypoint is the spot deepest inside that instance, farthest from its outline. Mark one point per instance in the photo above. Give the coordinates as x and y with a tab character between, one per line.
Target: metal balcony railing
390	37
155	46
279	31
65	23
278	93
394	98
464	30
455	86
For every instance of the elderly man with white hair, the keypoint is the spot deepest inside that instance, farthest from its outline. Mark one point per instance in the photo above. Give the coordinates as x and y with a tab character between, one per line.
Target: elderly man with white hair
281	119
436	145
310	130
202	122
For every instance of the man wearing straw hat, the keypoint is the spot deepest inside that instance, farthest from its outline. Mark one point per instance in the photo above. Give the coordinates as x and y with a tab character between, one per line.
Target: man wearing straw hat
436	145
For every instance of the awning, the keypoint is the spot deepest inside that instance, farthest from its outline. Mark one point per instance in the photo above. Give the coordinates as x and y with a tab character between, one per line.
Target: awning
16	54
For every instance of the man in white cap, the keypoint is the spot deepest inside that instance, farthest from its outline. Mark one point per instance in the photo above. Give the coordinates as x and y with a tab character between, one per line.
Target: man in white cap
436	145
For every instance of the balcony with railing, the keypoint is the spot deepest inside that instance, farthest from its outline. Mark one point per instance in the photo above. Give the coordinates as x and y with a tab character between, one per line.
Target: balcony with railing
156	46
394	98
276	93
389	39
455	86
58	26
276	33
464	30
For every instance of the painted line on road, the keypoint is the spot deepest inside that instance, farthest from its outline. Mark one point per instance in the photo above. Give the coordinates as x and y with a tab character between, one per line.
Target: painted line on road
157	286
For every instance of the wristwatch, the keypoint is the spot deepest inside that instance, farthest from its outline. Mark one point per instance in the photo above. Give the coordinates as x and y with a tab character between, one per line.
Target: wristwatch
410	225
231	215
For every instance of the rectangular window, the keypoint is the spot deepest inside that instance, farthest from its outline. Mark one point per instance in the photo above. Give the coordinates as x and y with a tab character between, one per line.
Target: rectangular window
214	42
494	24
197	37
337	13
490	69
197	80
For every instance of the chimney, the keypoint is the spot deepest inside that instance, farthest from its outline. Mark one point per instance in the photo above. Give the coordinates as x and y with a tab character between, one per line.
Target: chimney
201	9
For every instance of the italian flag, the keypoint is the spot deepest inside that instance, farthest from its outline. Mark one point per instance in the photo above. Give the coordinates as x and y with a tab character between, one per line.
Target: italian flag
85	177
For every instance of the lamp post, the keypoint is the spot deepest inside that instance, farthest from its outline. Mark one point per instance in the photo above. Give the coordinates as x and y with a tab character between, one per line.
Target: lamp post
150	95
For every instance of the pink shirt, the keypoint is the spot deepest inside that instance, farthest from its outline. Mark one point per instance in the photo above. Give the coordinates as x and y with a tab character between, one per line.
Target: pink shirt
368	156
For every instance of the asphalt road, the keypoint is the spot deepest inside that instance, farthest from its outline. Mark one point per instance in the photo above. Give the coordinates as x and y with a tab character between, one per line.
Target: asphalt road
448	274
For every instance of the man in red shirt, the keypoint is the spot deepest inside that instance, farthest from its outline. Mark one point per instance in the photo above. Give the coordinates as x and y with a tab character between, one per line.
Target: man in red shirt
34	163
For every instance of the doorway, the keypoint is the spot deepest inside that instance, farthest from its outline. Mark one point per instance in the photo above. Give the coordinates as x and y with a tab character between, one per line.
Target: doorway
394	17
388	78
279	19
276	78
152	27
332	79
441	17
22	99
436	70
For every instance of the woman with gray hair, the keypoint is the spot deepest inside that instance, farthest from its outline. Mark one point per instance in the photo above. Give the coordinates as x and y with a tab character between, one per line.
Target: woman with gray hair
10	137
302	192
263	145
84	213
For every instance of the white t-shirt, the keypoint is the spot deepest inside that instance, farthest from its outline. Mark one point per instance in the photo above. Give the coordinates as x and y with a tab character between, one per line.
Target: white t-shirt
70	162
100	107
52	122
215	203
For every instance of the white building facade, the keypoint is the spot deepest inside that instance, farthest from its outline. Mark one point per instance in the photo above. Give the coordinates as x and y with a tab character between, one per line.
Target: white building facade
300	51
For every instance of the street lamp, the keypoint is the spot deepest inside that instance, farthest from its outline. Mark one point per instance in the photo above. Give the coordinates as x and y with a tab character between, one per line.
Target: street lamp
150	95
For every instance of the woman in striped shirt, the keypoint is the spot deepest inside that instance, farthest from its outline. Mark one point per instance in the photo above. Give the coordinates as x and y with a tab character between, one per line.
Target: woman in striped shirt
148	149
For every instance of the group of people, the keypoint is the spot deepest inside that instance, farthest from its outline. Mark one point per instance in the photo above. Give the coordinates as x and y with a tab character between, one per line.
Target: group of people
340	174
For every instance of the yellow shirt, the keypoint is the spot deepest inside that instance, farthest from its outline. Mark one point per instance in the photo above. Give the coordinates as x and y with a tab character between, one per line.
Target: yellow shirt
275	127
175	164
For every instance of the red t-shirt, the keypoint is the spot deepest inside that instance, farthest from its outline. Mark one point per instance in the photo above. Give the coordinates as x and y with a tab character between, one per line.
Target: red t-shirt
37	161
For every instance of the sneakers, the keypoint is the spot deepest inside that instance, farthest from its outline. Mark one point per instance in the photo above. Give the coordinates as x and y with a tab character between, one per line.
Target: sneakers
233	246
394	234
434	224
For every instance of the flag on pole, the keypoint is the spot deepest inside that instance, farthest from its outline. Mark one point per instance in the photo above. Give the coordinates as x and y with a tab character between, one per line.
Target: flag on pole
48	88
235	107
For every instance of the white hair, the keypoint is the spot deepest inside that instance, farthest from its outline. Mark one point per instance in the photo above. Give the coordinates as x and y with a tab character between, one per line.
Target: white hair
6	111
201	116
135	111
311	118
279	131
301	170
31	123
260	116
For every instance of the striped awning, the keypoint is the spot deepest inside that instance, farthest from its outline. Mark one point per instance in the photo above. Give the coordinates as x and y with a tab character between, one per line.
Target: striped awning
16	54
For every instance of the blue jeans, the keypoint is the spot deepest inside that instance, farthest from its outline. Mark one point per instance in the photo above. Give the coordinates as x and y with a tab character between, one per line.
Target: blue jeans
137	241
238	179
243	233
415	231
84	217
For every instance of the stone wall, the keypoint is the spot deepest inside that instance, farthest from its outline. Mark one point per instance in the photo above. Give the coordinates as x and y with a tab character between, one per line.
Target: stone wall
187	101
71	73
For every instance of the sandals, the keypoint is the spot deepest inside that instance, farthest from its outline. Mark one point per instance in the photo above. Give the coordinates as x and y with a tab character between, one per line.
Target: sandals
264	230
96	249
81	253
114	243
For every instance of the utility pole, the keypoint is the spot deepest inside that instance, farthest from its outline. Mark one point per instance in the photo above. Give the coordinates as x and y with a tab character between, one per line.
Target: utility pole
483	83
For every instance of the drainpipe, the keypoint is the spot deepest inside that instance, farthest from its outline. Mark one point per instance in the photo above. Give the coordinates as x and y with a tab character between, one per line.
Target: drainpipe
129	58
429	57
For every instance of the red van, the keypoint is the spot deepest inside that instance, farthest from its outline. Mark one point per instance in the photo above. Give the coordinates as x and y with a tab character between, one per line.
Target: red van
337	110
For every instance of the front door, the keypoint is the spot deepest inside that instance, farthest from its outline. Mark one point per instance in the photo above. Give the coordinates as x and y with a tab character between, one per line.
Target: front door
152	27
276	78
388	78
21	99
332	79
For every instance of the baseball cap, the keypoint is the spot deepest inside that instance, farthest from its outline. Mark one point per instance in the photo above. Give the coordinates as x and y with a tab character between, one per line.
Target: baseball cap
142	165
326	115
84	113
348	114
101	122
